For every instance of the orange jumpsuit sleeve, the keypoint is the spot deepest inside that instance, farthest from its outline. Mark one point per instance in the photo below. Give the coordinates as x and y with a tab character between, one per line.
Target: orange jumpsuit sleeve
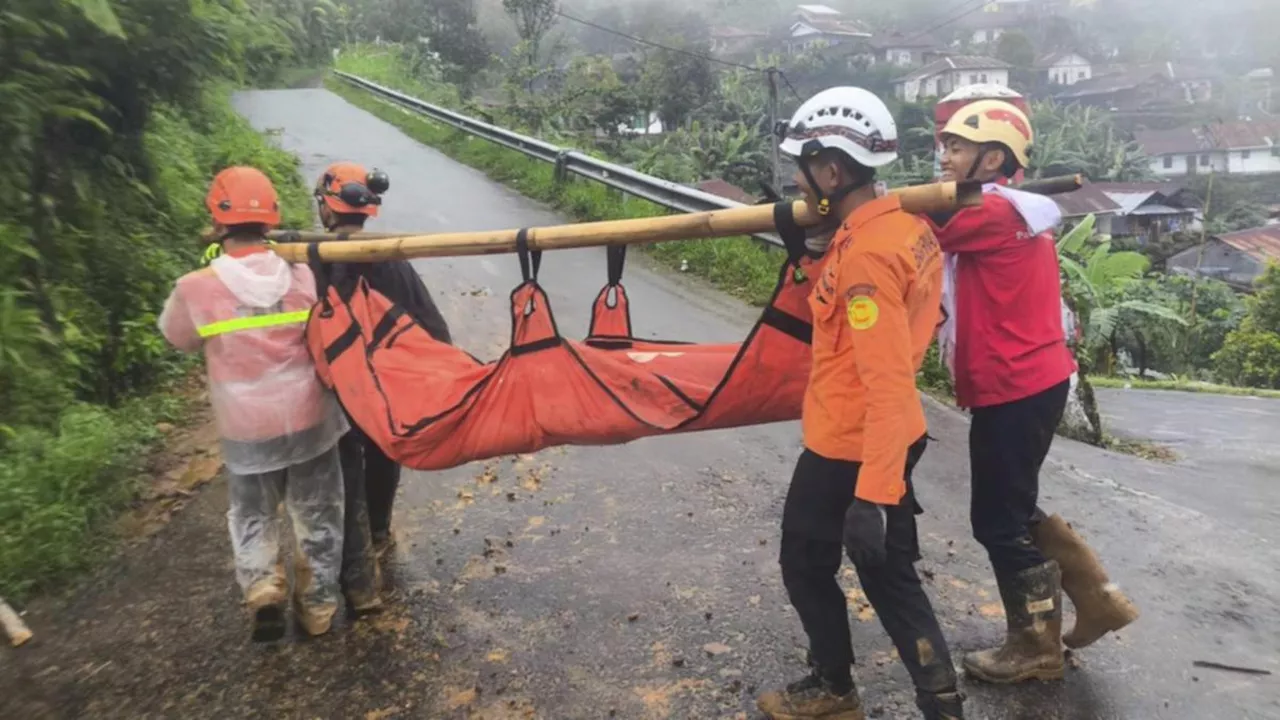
877	312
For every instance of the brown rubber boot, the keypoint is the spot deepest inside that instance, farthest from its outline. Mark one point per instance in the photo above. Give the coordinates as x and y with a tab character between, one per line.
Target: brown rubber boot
1100	606
315	619
1032	649
811	699
266	601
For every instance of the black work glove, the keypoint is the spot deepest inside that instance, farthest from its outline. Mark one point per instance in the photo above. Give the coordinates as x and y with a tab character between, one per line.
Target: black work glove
864	534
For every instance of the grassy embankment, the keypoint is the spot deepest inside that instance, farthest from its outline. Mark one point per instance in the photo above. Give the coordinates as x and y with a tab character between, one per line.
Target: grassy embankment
67	467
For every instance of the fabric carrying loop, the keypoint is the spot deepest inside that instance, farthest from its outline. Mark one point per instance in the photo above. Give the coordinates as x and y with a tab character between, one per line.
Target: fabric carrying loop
792	235
321	273
530	260
617	258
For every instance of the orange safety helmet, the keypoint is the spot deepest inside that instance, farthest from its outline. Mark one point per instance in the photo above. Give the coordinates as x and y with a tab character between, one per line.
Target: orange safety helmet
348	189
242	195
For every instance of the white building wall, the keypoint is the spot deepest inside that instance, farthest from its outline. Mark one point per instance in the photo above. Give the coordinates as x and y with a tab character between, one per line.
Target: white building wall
1070	71
1254	160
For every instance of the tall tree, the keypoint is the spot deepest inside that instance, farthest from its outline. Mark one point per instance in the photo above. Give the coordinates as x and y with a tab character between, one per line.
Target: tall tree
676	84
533	19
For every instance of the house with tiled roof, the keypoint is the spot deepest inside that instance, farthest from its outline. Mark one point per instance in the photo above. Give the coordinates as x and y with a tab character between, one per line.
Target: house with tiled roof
1247	147
1064	68
814	25
902	48
1142	87
945	74
1237	257
1142	210
728	40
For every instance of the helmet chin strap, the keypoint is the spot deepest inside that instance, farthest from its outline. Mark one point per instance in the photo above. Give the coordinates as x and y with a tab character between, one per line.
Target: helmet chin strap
825	202
977	162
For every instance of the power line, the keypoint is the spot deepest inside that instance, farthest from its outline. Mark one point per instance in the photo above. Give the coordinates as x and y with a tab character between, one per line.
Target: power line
660	46
790	87
980	4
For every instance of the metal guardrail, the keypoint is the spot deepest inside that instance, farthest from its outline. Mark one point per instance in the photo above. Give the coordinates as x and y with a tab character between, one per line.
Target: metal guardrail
619	177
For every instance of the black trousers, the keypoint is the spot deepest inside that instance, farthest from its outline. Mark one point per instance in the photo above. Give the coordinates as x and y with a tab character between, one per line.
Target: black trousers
370	480
1007	446
382	480
812	549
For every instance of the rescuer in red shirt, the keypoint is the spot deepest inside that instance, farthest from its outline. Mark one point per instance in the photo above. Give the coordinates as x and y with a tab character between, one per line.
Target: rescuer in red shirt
1004	340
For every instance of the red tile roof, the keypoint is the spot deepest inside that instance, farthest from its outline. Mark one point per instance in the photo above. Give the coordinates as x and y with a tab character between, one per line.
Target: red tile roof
956	62
1088	199
1262	243
899	39
716	186
1238	134
725	32
837	26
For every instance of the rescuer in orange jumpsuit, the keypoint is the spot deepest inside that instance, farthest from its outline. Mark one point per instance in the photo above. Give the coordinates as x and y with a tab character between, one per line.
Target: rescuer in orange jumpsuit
347	195
875	306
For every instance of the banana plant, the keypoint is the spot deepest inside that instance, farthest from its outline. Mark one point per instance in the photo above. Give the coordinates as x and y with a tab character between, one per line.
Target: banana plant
1098	279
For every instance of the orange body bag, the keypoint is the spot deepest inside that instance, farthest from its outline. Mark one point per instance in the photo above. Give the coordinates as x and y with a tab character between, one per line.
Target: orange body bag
431	406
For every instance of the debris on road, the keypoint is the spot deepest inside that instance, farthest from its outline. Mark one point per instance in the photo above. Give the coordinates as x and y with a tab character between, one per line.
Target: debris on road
17	630
1230	668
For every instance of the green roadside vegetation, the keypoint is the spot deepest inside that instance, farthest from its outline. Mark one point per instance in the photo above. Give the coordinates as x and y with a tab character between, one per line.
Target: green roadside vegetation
116	116
1191	386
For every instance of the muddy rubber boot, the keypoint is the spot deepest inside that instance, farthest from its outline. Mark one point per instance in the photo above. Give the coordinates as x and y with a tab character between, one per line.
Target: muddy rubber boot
266	602
947	705
314	619
383	543
365	599
811	699
1100	606
1032	649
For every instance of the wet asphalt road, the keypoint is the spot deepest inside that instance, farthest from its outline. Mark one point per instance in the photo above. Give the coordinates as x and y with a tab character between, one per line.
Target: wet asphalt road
1233	444
591	582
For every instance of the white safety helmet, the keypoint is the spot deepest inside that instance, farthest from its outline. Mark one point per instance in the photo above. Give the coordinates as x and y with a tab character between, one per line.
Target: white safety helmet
850	119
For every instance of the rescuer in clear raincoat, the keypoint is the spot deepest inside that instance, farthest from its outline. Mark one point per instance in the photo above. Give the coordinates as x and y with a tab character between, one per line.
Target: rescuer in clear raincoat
279	426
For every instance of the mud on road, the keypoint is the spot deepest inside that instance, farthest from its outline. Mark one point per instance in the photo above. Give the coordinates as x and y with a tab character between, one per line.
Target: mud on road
637	581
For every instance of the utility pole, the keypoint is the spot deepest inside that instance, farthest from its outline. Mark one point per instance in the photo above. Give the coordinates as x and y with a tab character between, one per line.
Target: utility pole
773	123
1204	231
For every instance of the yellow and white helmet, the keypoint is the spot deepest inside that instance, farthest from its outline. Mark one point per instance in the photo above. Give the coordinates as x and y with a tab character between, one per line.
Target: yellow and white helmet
994	121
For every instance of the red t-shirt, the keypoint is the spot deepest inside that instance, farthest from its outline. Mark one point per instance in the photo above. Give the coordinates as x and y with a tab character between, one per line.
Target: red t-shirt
1009	335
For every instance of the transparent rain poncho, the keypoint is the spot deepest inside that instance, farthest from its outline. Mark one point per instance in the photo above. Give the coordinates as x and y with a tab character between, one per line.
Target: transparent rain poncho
248	314
279	426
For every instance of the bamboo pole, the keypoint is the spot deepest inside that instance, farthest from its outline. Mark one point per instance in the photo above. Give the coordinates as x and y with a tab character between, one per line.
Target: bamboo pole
934	197
1054	185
